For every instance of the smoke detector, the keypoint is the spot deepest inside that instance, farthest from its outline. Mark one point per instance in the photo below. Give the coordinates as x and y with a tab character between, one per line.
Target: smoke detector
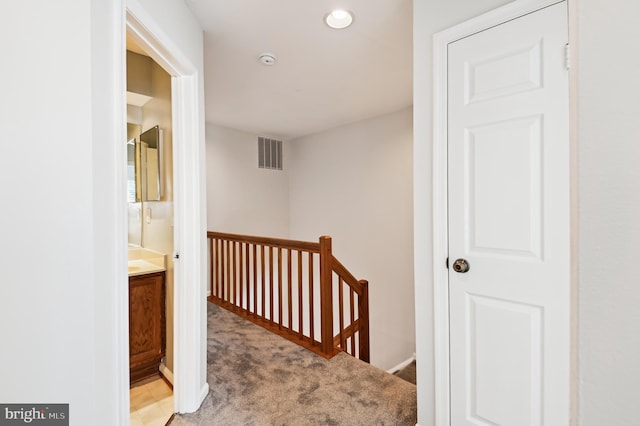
267	58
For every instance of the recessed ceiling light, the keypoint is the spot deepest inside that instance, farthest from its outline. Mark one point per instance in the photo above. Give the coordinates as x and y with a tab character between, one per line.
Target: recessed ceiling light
339	19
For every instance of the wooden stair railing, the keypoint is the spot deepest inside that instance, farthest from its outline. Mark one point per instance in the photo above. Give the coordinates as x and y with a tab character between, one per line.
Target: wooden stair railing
296	289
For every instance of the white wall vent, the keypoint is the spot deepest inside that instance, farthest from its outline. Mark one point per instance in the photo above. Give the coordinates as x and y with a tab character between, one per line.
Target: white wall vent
269	154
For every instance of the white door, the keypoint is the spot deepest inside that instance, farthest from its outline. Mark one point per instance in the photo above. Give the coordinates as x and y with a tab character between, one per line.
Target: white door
508	174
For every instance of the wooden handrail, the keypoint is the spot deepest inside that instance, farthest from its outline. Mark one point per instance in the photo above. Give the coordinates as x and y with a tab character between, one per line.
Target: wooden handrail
276	283
339	269
267	241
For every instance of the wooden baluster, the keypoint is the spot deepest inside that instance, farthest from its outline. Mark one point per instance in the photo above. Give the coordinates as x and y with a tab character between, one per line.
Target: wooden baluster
255	279
326	297
311	313
240	275
271	262
233	273
300	321
220	269
230	274
222	264
262	296
280	286
214	260
225	290
217	268
289	294
343	346
229	270
352	315
363	316
211	267
247	280
238	270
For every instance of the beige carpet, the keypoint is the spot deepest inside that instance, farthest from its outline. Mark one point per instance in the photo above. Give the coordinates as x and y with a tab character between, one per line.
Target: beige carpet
258	378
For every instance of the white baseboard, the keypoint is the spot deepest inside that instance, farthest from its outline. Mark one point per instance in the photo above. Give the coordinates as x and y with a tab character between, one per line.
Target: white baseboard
402	365
166	372
204	391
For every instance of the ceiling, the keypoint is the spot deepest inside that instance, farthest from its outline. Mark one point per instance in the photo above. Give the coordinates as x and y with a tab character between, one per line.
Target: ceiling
322	78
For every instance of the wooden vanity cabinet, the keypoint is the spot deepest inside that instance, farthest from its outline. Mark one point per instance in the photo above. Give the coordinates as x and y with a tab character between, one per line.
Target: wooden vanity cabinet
147	324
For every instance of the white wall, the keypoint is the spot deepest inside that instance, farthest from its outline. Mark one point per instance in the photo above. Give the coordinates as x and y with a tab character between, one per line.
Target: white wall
609	210
429	17
61	224
47	290
241	198
354	184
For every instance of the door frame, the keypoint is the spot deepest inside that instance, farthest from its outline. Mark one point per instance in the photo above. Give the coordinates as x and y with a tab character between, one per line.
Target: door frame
190	383
440	208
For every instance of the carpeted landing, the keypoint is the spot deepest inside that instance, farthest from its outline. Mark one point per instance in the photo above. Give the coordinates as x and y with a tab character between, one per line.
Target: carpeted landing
258	378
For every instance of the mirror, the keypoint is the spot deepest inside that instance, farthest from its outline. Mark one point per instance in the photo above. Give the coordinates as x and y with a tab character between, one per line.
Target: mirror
144	171
150	161
144	154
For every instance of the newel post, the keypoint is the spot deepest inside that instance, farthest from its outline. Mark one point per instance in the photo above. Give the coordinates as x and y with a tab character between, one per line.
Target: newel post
326	295
363	315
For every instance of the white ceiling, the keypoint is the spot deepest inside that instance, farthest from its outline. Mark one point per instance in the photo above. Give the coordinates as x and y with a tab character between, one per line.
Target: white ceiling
323	77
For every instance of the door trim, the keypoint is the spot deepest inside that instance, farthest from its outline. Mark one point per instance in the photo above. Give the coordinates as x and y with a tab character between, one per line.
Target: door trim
190	385
440	208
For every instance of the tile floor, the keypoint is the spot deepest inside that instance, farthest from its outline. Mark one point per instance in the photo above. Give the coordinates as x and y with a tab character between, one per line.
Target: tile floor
151	403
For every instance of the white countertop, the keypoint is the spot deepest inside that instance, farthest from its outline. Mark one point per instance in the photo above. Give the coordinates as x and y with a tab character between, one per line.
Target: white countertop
143	261
141	267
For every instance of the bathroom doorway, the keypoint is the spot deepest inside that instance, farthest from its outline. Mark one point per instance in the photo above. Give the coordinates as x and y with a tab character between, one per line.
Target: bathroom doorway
189	206
150	236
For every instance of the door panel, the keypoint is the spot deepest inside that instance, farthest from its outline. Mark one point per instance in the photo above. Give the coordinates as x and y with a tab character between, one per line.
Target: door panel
508	152
504	361
511	148
507	73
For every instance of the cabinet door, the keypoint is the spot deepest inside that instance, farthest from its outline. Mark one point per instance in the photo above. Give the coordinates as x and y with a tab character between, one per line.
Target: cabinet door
146	319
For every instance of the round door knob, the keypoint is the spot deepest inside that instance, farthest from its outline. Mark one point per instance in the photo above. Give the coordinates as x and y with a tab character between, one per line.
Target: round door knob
461	266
